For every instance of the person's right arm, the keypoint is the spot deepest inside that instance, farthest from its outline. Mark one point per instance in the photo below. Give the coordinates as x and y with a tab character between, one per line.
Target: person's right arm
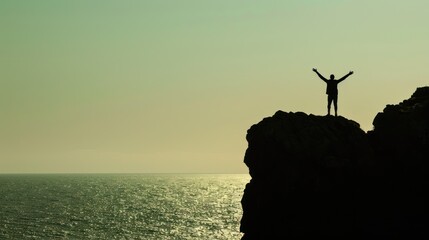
320	75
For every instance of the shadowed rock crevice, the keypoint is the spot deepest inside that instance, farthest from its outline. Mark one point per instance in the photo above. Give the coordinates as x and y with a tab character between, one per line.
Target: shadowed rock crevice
318	176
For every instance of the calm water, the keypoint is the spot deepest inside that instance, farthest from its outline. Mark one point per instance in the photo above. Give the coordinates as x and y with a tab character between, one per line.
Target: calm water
101	206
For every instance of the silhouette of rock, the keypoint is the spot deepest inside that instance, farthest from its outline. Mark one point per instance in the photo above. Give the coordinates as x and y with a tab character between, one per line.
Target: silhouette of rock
304	171
400	142
315	176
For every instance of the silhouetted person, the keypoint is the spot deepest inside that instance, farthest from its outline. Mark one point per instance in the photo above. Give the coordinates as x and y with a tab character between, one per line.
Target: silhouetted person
331	89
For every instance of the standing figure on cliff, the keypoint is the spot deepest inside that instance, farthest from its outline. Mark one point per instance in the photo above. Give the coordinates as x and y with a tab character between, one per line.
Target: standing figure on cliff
331	89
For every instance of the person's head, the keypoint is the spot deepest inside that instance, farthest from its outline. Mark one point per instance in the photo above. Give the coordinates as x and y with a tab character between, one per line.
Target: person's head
332	77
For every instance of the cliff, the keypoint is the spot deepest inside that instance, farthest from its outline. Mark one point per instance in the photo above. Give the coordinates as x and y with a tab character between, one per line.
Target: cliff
315	176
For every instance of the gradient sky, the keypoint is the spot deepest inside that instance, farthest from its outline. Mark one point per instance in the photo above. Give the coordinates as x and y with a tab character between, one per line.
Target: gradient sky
173	86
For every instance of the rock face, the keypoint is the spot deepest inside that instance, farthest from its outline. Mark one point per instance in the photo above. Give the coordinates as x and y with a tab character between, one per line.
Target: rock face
400	140
315	176
401	132
304	171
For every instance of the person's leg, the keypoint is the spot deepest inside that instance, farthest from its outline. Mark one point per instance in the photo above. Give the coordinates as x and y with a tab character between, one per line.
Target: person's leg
329	104
335	98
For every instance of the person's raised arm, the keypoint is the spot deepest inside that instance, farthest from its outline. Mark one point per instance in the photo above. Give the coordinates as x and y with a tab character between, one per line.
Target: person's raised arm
320	75
345	76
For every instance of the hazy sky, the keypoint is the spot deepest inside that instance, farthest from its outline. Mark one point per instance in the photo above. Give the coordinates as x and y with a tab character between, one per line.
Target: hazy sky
173	86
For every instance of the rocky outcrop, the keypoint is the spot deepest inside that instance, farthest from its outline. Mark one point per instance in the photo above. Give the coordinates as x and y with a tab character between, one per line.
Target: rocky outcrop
400	140
401	132
315	176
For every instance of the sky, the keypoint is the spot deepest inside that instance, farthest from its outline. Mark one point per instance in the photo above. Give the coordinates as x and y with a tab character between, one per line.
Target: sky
171	86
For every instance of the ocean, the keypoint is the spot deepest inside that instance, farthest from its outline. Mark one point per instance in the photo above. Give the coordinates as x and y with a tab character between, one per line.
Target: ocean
121	206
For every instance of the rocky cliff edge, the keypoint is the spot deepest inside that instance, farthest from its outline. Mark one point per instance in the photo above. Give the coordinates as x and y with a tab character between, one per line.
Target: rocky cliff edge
315	176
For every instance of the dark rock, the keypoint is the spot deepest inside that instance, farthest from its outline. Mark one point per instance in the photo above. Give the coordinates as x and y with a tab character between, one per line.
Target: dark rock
315	176
304	170
400	140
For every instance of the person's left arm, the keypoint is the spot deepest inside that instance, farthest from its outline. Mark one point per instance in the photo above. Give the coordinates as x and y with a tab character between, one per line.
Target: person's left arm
345	76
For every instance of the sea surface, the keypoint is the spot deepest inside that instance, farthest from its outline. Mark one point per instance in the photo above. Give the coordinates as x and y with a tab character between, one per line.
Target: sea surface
121	206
